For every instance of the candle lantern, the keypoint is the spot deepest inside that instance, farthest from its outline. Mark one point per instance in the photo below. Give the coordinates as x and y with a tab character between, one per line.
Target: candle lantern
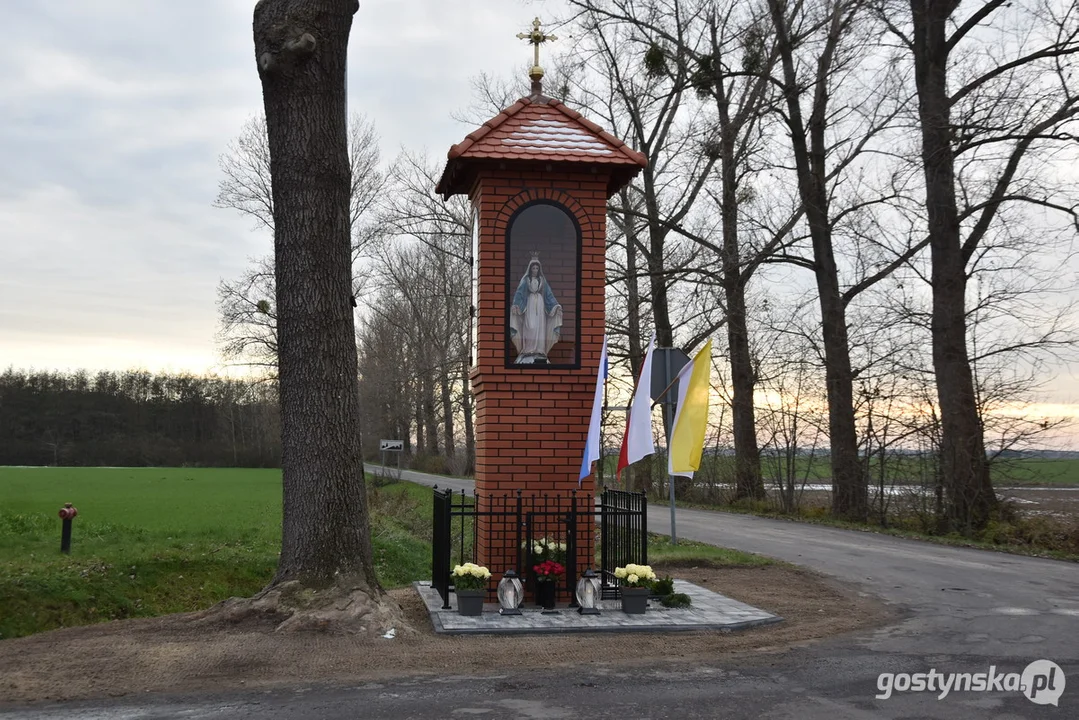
510	593
588	593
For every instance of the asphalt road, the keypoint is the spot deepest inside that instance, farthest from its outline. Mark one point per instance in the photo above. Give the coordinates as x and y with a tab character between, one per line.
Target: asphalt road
962	611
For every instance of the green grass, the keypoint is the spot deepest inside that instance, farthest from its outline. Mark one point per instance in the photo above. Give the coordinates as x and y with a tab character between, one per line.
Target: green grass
661	551
1034	472
149	541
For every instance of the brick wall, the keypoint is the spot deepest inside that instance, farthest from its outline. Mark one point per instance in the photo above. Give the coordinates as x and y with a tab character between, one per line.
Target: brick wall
532	422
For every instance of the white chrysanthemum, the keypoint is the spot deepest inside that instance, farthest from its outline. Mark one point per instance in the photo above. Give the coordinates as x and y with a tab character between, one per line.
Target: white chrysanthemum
632	578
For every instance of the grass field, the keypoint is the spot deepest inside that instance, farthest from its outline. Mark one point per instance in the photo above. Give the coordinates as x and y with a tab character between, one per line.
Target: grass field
1033	472
149	541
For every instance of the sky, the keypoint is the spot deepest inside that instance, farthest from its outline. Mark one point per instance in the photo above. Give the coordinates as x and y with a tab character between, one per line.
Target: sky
113	114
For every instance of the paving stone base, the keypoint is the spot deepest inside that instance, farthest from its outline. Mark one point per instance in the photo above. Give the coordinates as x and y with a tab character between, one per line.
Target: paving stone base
709	611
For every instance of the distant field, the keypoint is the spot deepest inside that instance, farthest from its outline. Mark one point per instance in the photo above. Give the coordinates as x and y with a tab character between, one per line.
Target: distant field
901	470
149	541
1036	472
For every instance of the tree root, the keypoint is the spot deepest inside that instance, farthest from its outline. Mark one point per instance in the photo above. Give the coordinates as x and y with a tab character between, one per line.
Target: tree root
342	608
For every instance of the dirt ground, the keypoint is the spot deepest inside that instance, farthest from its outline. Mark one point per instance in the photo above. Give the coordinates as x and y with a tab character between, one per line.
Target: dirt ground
168	654
1060	504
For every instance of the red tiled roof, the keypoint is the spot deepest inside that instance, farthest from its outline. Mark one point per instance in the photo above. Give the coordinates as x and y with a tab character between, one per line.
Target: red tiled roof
538	128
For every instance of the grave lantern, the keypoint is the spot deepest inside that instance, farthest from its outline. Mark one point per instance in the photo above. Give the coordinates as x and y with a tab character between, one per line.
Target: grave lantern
588	592
510	593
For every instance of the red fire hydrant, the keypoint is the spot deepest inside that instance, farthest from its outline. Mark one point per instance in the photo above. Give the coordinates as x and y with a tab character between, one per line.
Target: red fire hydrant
67	512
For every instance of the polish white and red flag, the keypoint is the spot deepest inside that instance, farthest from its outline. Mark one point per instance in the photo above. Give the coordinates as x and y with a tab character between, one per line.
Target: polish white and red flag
637	442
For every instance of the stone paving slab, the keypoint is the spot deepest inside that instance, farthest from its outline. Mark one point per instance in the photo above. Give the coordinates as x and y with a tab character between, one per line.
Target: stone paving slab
709	611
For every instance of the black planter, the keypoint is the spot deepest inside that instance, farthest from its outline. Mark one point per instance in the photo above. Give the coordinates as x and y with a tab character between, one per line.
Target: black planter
545	592
635	600
470	602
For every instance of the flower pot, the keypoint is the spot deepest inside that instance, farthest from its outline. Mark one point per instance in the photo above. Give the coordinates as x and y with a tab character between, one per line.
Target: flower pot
470	602
545	591
635	600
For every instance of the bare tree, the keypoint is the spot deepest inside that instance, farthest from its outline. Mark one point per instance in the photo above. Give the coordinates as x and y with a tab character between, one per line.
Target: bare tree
651	107
248	330
423	257
822	47
995	96
695	49
248	333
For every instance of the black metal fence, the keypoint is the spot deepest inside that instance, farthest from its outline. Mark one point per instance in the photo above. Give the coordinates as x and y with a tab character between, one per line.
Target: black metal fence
623	537
521	521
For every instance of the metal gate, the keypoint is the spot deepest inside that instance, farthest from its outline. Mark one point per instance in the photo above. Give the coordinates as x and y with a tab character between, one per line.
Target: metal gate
523	519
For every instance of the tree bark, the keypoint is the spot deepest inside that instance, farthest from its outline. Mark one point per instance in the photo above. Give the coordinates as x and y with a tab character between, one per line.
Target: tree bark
748	482
639	476
300	48
968	491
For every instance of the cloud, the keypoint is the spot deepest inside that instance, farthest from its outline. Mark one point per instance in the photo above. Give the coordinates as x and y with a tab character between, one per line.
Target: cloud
112	117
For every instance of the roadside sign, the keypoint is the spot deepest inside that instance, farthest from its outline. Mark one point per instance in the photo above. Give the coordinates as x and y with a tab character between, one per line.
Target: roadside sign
666	364
391	445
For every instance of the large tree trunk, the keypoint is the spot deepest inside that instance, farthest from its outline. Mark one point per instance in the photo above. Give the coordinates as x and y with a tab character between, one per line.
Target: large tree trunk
657	238
300	47
747	461
747	458
849	490
639	476
968	491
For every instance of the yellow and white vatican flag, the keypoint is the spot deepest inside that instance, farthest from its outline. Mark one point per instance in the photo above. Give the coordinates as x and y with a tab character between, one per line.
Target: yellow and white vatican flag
691	418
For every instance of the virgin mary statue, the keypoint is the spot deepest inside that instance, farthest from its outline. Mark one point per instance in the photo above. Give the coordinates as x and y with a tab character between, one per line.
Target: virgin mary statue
535	316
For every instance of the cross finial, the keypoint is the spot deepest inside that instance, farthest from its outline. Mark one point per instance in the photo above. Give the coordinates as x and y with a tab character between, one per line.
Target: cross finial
536	38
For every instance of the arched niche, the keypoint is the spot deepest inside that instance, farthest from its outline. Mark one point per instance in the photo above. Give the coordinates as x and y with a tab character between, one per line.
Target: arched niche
543	282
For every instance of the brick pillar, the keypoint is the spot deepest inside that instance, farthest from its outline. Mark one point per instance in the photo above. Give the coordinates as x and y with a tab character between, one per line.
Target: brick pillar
532	421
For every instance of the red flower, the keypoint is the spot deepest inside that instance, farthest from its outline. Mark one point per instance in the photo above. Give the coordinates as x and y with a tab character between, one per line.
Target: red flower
548	569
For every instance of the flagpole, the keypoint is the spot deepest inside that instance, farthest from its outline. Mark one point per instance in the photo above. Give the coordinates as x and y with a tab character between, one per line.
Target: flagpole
602	413
669	420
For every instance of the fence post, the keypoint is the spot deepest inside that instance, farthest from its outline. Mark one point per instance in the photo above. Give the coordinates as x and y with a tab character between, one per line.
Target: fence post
440	545
603	537
644	529
518	522
461	533
571	550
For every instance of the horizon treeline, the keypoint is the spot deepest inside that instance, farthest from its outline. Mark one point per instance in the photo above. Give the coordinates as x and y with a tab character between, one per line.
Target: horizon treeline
137	418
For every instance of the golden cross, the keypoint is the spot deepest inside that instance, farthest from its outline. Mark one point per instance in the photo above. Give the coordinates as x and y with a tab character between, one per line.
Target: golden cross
536	38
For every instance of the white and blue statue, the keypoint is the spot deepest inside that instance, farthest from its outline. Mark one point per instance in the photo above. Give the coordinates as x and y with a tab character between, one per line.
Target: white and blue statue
535	316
